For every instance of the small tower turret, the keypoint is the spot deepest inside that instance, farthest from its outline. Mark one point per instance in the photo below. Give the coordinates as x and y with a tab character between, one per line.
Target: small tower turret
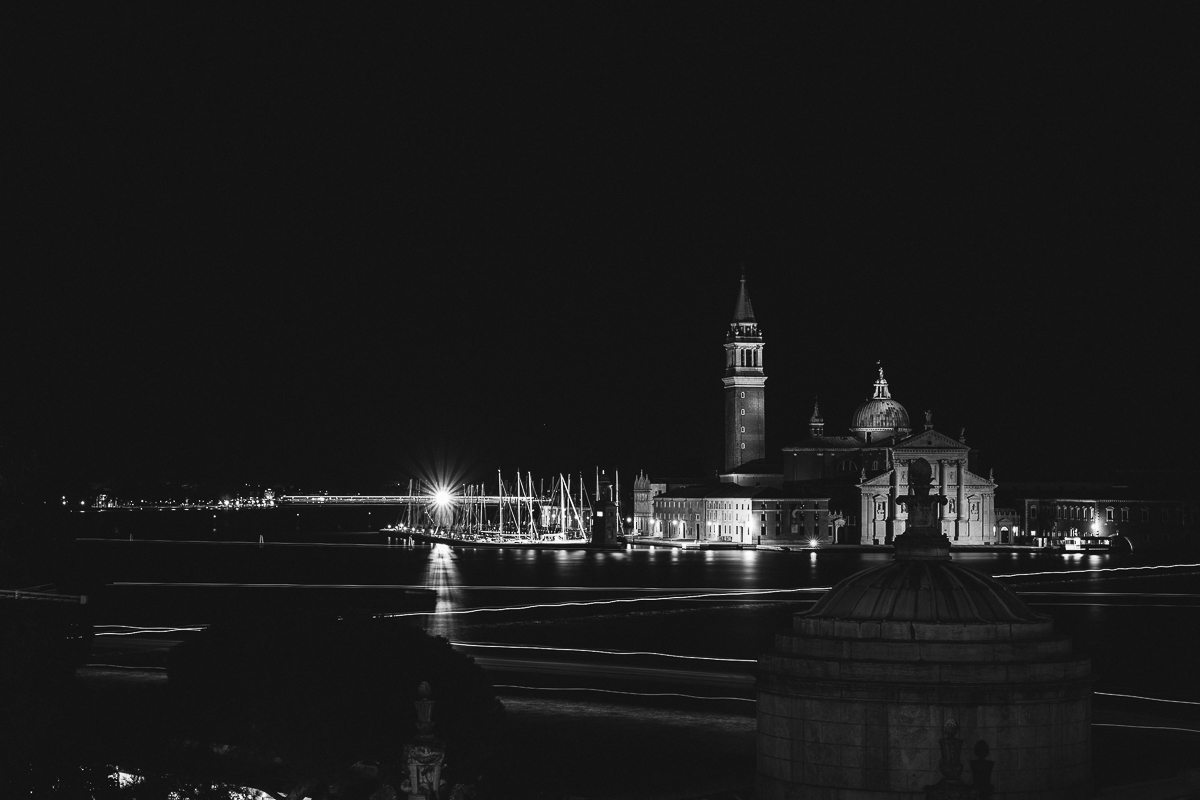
816	425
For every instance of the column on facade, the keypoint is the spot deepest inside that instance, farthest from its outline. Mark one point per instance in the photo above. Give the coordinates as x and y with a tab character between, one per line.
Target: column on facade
942	490
963	527
867	520
893	505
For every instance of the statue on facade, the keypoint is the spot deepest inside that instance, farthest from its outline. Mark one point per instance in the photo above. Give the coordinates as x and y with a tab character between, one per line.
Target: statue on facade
950	787
424	756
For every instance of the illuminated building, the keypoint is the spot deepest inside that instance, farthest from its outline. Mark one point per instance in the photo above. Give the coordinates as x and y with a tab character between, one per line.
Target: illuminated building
865	472
744	382
761	515
1045	513
644	493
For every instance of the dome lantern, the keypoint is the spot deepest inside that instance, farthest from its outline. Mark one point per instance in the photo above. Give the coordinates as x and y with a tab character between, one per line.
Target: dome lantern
880	417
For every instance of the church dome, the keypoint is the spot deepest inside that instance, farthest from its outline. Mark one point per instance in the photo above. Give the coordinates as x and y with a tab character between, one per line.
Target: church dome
881	412
923	590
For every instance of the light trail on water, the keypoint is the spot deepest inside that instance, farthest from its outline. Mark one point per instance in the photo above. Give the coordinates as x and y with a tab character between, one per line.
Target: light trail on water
602	652
1154	699
134	630
1097	569
1144	727
127	666
1105	594
616	691
1117	605
716	590
580	603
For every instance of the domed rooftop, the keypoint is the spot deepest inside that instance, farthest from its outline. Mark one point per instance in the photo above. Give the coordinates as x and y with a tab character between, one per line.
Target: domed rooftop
923	590
881	412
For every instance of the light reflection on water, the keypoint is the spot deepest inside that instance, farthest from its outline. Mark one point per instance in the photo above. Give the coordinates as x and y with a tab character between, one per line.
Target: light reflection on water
726	569
442	576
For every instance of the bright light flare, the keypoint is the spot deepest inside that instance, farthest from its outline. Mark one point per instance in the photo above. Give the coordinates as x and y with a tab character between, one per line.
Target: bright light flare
442	497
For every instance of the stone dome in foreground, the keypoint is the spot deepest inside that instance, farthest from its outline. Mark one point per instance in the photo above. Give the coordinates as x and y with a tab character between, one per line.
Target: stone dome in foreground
854	699
921	590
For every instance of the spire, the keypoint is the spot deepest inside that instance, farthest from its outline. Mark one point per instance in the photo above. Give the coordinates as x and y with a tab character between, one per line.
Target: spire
881	388
816	425
743	311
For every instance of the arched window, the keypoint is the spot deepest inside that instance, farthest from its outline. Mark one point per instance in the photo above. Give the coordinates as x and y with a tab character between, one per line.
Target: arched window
846	466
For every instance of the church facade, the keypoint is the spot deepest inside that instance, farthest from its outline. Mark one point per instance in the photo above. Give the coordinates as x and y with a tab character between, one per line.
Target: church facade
867	471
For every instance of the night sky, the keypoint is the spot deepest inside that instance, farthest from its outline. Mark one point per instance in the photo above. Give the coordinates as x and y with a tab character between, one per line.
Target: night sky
323	250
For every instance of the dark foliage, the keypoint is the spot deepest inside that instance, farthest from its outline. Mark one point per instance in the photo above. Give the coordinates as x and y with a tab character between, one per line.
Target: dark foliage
320	694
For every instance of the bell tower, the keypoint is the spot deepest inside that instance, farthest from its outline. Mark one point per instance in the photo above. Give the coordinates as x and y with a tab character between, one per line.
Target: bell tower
745	415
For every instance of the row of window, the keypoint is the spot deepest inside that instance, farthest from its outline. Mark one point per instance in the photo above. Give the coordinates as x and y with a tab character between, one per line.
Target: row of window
1088	514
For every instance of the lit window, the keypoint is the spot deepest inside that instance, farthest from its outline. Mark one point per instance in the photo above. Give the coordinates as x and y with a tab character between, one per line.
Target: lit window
743	394
743	429
743	445
743	412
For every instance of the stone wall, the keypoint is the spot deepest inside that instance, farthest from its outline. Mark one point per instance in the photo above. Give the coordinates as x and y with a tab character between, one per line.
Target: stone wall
854	710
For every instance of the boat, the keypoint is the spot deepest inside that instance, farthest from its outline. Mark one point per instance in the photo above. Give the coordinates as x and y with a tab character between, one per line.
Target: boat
1087	544
484	539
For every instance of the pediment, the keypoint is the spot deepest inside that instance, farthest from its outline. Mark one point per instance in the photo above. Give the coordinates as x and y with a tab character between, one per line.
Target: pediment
931	440
971	479
882	479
